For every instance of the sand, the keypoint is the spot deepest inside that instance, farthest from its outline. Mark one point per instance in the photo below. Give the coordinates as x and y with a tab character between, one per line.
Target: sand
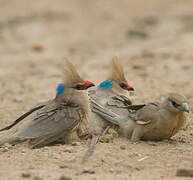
154	41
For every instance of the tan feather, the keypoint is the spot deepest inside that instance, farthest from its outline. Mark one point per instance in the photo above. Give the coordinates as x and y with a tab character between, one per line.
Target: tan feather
71	76
117	73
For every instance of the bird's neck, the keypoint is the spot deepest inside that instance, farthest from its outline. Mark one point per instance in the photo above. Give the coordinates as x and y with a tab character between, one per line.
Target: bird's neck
74	96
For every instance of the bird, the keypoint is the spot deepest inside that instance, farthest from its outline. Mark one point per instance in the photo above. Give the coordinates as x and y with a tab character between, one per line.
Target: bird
154	121
65	116
108	93
112	93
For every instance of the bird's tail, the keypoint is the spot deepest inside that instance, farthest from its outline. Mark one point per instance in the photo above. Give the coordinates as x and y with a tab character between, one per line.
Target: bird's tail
9	137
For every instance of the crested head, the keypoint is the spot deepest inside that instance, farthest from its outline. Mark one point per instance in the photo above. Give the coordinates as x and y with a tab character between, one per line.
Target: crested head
177	102
71	76
72	80
179	99
117	75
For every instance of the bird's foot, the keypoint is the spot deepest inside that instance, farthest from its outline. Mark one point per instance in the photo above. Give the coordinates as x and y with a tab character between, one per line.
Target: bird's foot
90	135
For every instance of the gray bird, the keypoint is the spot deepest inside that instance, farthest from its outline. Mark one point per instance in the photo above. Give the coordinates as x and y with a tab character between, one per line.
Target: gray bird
152	121
112	94
66	116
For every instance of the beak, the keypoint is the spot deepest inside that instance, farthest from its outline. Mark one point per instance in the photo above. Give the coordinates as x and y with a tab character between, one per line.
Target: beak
184	107
130	88
90	85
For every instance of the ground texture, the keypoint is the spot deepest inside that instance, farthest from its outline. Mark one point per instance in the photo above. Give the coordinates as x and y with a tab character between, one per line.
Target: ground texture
154	41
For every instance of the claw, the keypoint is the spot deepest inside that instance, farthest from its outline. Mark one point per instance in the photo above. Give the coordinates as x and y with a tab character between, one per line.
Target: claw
90	135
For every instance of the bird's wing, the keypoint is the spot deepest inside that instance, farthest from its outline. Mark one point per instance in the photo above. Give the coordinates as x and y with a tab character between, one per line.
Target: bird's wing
119	101
52	122
109	100
146	114
37	107
104	112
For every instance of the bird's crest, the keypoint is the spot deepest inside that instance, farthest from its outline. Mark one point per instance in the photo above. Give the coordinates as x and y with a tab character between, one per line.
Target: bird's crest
71	76
117	73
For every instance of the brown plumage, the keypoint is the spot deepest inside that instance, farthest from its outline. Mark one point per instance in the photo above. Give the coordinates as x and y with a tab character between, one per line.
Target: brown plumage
71	76
116	72
152	121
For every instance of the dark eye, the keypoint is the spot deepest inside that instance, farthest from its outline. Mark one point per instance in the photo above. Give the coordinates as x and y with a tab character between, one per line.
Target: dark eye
122	85
79	87
175	104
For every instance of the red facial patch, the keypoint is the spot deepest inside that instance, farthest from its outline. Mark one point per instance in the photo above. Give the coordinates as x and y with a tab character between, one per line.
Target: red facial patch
129	86
126	87
87	82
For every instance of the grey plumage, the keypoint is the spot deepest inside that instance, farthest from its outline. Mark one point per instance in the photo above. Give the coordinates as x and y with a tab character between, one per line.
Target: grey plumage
152	121
109	97
66	116
111	94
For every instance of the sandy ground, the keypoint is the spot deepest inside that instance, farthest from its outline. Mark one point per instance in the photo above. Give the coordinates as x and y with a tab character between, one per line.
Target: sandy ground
154	41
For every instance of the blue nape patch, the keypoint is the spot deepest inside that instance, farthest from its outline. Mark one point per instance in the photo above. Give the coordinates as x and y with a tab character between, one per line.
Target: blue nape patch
106	84
60	89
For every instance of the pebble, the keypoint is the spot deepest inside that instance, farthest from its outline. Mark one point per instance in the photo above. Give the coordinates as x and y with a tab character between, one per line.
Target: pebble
37	178
137	33
184	172
68	149
76	143
106	138
5	149
63	166
23	151
65	178
7	145
37	48
18	99
55	156
88	171
122	146
26	175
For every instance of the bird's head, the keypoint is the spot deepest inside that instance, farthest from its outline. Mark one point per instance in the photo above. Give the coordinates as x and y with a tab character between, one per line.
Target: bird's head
116	77
177	103
108	84
72	80
80	86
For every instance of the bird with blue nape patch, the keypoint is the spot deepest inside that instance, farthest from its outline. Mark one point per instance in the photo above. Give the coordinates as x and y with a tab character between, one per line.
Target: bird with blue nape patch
108	93
111	94
65	117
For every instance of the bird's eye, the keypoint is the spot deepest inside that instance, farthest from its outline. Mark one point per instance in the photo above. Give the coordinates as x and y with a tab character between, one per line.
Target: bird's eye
122	85
175	104
79	87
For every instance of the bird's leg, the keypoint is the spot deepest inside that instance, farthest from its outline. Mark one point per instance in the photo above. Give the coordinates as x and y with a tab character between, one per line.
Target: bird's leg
90	135
137	134
94	141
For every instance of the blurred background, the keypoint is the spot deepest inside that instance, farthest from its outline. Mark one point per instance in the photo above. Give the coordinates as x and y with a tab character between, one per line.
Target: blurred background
152	38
